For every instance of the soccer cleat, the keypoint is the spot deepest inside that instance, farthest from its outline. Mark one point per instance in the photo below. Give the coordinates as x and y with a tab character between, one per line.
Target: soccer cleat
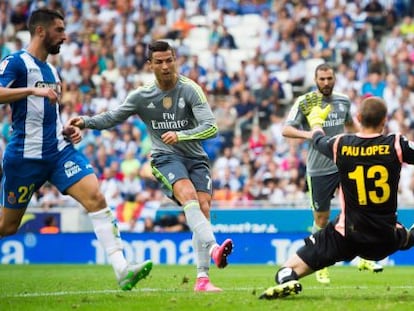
203	284
369	265
133	274
220	253
322	276
282	290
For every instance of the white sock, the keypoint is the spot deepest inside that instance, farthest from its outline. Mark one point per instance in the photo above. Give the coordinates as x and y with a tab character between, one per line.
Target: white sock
107	233
199	224
202	258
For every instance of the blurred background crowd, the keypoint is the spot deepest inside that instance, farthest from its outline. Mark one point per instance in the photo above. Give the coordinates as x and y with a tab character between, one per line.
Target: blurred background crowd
252	58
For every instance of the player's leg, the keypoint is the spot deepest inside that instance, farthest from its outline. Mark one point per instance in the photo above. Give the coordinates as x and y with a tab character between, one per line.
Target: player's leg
10	220
201	179
21	178
185	193
173	173
86	192
202	254
321	192
75	177
287	279
321	249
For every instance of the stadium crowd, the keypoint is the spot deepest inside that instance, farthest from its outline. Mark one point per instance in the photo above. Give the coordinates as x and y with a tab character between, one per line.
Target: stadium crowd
370	43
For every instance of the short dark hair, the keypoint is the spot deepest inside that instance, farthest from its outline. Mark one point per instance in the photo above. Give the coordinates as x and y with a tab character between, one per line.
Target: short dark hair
323	67
44	17
373	110
159	46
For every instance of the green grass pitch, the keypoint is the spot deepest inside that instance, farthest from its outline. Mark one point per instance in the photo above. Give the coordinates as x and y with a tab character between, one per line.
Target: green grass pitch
93	287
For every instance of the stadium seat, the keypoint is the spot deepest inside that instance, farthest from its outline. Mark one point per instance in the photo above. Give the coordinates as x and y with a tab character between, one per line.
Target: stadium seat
197	39
288	90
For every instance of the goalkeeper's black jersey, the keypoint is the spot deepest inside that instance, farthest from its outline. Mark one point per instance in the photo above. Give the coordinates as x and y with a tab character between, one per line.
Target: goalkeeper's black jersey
369	169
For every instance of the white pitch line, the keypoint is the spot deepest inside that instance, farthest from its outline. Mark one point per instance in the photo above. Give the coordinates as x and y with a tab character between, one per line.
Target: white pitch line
165	290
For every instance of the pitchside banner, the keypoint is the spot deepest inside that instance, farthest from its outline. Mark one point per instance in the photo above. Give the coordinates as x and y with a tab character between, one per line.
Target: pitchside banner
161	248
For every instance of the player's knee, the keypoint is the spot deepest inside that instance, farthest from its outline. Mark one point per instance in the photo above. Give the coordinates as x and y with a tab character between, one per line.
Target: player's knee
95	202
285	274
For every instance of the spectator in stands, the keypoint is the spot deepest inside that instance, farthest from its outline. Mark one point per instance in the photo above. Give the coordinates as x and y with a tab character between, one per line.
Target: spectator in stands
392	93
50	226
18	16
375	16
245	108
267	95
214	34
6	28
173	223
4	49
374	86
226	117
226	40
111	186
257	141
182	26
216	61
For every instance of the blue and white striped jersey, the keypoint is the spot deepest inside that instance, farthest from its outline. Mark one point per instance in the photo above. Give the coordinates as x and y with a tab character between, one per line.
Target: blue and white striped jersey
36	123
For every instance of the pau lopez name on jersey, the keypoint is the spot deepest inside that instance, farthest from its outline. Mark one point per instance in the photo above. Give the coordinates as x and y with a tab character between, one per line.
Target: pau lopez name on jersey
355	151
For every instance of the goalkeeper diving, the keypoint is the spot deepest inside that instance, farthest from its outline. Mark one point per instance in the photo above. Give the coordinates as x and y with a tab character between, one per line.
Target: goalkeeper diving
369	165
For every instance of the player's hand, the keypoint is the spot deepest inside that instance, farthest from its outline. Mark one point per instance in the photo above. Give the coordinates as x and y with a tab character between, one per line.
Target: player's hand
169	137
46	92
317	116
77	122
311	100
72	133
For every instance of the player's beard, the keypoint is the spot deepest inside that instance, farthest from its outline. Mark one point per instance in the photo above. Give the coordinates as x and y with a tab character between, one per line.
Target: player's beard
326	91
51	48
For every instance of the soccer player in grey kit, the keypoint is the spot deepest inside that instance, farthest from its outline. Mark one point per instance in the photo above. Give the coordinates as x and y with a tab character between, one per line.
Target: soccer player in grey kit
178	117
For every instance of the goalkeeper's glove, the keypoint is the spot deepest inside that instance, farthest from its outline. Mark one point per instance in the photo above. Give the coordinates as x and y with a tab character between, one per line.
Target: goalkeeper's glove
311	100
317	116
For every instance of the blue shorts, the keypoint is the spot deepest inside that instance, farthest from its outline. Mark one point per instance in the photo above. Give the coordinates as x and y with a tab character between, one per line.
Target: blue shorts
22	177
168	169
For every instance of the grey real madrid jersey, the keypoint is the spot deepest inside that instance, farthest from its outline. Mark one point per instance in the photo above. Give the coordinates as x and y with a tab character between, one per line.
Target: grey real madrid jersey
318	164
183	109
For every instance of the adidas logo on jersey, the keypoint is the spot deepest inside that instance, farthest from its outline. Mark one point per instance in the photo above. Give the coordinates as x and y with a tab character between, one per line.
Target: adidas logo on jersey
151	105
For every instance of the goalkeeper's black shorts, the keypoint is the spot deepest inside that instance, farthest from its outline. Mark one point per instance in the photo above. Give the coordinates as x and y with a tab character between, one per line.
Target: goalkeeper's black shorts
327	247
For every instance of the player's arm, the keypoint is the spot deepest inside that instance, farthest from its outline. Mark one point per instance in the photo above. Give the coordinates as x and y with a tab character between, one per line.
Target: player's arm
11	95
107	119
407	148
206	128
10	71
290	131
206	123
323	143
294	126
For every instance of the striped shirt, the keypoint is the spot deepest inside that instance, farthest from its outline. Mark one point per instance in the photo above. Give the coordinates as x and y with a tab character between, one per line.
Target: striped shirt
36	123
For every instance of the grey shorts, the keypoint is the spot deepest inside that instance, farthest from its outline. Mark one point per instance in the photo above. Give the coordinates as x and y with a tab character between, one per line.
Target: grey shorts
168	169
322	190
